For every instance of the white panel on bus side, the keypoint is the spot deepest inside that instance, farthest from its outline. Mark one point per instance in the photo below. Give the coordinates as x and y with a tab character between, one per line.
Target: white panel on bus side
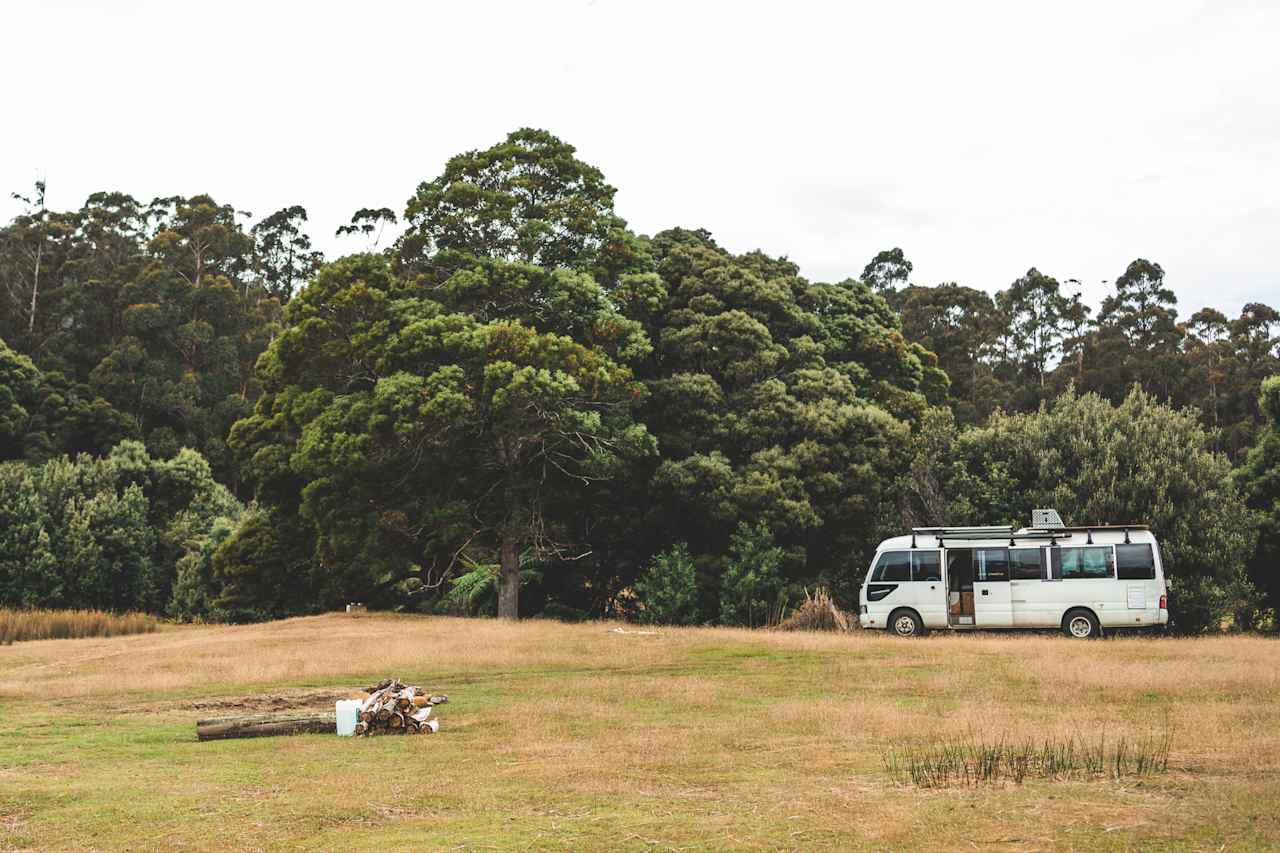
992	604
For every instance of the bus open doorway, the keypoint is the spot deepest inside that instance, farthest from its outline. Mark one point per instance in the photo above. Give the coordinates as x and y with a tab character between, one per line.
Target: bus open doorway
960	587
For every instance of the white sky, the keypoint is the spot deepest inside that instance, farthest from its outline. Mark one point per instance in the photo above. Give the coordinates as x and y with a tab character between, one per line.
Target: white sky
982	138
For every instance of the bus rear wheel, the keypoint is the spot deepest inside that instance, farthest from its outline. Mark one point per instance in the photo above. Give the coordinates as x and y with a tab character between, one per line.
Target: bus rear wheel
906	623
1081	625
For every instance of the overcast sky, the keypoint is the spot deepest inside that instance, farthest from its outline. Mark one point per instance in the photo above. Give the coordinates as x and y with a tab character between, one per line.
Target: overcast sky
982	138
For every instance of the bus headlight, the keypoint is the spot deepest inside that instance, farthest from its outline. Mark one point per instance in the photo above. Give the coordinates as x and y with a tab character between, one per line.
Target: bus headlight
863	609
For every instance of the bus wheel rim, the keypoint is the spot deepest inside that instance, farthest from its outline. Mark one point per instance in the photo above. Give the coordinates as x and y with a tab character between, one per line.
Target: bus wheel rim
1080	626
905	625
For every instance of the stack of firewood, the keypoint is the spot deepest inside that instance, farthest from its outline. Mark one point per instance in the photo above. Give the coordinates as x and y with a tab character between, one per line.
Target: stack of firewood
391	707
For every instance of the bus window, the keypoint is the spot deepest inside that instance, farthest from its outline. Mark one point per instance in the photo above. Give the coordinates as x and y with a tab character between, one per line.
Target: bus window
992	564
926	566
1025	564
1078	563
893	566
1135	563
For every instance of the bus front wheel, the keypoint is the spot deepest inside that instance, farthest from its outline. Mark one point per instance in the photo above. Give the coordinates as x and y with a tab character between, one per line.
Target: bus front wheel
1081	625
906	623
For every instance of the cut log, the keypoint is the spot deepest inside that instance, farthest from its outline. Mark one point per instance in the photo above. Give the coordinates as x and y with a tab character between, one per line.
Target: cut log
264	725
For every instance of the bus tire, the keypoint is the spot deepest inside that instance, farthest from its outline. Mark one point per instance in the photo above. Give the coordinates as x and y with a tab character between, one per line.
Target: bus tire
906	623
1080	624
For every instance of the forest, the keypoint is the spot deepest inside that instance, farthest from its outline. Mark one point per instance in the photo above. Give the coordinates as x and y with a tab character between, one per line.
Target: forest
507	402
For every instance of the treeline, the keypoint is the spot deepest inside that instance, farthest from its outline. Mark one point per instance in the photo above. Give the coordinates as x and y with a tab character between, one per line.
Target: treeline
140	321
521	406
1035	339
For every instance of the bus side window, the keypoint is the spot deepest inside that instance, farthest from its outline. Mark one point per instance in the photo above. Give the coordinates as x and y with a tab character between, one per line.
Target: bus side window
1026	564
893	566
926	566
992	564
1082	563
1135	563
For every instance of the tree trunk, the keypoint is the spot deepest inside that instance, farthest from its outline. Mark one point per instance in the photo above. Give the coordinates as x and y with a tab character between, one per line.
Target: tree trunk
35	288
508	580
260	725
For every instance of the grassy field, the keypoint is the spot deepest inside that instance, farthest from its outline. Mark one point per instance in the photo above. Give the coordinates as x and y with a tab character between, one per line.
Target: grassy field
575	737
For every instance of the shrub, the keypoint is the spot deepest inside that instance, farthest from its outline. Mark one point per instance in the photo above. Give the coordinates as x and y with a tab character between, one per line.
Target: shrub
668	588
752	577
105	533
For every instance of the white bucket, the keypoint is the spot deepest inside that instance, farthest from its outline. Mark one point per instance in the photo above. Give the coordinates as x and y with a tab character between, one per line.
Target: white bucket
347	711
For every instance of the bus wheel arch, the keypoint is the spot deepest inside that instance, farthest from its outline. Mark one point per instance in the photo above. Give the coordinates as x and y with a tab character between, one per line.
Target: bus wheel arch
905	622
1081	623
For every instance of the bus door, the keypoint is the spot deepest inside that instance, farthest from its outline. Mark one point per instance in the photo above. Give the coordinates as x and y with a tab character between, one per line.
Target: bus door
993	606
928	591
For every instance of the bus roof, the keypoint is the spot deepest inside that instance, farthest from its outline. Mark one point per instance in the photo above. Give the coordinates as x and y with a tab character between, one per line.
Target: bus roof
956	537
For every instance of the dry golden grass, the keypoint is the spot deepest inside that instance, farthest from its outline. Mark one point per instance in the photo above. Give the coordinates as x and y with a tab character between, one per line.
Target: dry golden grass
575	737
19	625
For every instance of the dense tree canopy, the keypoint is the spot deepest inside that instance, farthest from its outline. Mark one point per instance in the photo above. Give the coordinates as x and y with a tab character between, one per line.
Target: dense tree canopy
526	199
1035	340
110	532
145	319
1259	478
772	399
422	418
523	405
1097	463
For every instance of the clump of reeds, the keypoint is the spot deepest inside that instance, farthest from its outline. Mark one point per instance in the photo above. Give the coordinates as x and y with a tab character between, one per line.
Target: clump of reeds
971	759
818	612
18	625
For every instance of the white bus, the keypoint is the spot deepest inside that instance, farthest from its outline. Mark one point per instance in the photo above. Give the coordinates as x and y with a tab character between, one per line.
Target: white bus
1082	580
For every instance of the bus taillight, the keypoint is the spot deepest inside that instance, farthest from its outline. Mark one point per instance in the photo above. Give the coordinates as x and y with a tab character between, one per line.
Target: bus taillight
1164	602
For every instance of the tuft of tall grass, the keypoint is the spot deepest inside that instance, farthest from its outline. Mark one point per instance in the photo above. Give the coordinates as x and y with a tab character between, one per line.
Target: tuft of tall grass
971	759
18	625
818	612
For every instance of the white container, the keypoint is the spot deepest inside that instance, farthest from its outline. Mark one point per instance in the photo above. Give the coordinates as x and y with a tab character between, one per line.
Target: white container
347	711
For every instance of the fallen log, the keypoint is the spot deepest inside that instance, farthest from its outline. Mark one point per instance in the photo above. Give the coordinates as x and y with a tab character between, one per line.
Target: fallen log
264	725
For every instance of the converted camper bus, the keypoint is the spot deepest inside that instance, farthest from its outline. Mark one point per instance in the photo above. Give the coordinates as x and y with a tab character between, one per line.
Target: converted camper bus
1081	580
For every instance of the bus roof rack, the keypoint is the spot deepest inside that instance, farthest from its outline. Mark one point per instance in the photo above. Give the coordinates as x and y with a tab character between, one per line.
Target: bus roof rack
999	531
1087	527
958	531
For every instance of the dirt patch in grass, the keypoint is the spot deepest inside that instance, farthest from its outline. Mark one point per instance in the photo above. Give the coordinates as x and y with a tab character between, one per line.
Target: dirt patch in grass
279	700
